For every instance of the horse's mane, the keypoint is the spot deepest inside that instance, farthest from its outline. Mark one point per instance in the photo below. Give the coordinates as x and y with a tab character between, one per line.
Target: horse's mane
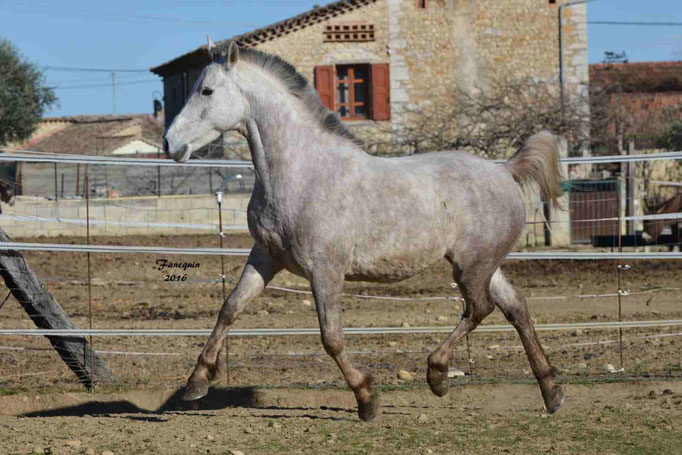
299	87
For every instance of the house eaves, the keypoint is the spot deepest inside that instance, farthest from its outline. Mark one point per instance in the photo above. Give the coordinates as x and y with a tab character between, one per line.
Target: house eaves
199	56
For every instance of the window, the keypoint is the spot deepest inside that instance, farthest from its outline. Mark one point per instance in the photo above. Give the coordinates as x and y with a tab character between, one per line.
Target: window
355	92
351	91
422	4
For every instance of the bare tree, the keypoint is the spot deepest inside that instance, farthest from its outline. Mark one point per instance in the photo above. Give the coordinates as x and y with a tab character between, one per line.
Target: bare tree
495	122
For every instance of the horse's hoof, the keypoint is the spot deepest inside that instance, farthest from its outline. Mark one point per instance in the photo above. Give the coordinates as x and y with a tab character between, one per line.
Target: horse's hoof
438	382
368	411
195	390
554	401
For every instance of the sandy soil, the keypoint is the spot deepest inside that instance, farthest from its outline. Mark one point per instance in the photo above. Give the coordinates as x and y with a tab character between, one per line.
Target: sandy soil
633	418
130	292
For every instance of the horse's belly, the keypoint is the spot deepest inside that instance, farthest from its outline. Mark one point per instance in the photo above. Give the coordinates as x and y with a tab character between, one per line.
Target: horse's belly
392	267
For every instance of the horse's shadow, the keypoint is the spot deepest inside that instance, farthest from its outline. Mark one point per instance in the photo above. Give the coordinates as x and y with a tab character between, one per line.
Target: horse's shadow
217	398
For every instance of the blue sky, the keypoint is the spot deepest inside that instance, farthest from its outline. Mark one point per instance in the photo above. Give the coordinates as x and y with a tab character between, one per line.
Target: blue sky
129	34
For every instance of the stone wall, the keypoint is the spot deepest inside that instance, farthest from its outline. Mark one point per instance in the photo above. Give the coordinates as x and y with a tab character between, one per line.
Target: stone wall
467	44
169	215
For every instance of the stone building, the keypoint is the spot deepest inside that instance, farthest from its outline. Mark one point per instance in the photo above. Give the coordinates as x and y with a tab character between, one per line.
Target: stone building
374	60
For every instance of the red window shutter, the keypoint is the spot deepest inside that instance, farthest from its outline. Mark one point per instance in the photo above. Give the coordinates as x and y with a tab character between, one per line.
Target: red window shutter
381	106
324	84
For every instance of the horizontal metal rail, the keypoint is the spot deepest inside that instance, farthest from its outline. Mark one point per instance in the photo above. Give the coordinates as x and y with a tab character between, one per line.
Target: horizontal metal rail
38	157
316	331
133	224
68	248
33	157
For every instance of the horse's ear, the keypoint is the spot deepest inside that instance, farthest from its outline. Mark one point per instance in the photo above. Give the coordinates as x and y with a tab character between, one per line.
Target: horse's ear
232	54
211	47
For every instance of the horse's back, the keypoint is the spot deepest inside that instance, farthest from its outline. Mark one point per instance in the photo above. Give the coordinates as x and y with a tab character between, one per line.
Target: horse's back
413	211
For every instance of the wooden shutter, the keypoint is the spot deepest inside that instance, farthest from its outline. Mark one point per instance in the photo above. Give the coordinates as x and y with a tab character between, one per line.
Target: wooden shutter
324	84
381	105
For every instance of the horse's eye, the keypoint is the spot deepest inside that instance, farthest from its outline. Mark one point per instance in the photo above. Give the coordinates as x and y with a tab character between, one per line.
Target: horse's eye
206	92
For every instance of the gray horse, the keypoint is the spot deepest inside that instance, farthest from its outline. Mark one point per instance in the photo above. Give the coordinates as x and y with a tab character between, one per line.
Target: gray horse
325	210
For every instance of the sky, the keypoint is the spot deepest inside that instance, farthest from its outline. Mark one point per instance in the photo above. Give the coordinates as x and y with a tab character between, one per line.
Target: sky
136	35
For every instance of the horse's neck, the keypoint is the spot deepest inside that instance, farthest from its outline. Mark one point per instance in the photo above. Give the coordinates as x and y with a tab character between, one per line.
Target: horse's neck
287	144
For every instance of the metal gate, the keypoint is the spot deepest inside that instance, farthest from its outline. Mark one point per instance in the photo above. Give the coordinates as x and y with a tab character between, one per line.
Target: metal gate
590	201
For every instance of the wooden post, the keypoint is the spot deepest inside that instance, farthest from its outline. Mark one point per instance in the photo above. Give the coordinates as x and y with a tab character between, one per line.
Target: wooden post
630	189
47	313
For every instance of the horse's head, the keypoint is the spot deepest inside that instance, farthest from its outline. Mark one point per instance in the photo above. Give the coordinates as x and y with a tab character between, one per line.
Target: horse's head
216	105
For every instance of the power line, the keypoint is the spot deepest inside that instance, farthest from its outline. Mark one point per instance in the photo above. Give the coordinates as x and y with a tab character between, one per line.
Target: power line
645	24
143	81
92	70
101	78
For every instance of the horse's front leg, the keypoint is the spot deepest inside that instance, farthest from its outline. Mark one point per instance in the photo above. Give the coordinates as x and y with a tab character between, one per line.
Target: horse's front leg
259	270
327	286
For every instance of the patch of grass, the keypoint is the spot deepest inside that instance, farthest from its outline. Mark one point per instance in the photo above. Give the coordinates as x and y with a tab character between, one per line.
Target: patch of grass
604	432
4	391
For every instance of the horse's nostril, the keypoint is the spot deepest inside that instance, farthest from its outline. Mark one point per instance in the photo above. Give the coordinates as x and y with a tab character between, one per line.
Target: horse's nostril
165	146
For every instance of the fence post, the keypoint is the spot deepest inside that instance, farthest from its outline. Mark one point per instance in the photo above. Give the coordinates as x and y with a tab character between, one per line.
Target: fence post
226	345
87	234
620	267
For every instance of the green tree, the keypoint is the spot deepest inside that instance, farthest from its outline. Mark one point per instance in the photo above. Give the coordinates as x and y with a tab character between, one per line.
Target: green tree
24	97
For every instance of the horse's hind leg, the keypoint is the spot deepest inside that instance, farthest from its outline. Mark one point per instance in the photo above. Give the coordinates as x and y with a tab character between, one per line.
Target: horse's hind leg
327	286
259	270
474	285
514	307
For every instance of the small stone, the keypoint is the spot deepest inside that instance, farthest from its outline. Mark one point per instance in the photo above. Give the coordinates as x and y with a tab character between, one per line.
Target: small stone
236	452
544	416
107	452
651	395
275	425
209	437
609	368
494	346
454	372
306	302
582	366
262	313
392	344
405	375
24	400
655	313
38	449
422	418
74	443
248	430
577	333
429	451
667	392
405	324
442	318
489	357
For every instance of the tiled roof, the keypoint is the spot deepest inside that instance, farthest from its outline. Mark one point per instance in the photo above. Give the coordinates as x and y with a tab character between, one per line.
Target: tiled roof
97	134
646	77
316	15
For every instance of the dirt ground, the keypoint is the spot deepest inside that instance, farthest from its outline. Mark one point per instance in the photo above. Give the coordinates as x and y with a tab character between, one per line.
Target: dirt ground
130	292
618	418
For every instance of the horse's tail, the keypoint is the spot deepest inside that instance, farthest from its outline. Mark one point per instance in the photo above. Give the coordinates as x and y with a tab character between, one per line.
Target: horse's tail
538	161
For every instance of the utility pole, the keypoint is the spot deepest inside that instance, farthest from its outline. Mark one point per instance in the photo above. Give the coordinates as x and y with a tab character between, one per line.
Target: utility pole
562	70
